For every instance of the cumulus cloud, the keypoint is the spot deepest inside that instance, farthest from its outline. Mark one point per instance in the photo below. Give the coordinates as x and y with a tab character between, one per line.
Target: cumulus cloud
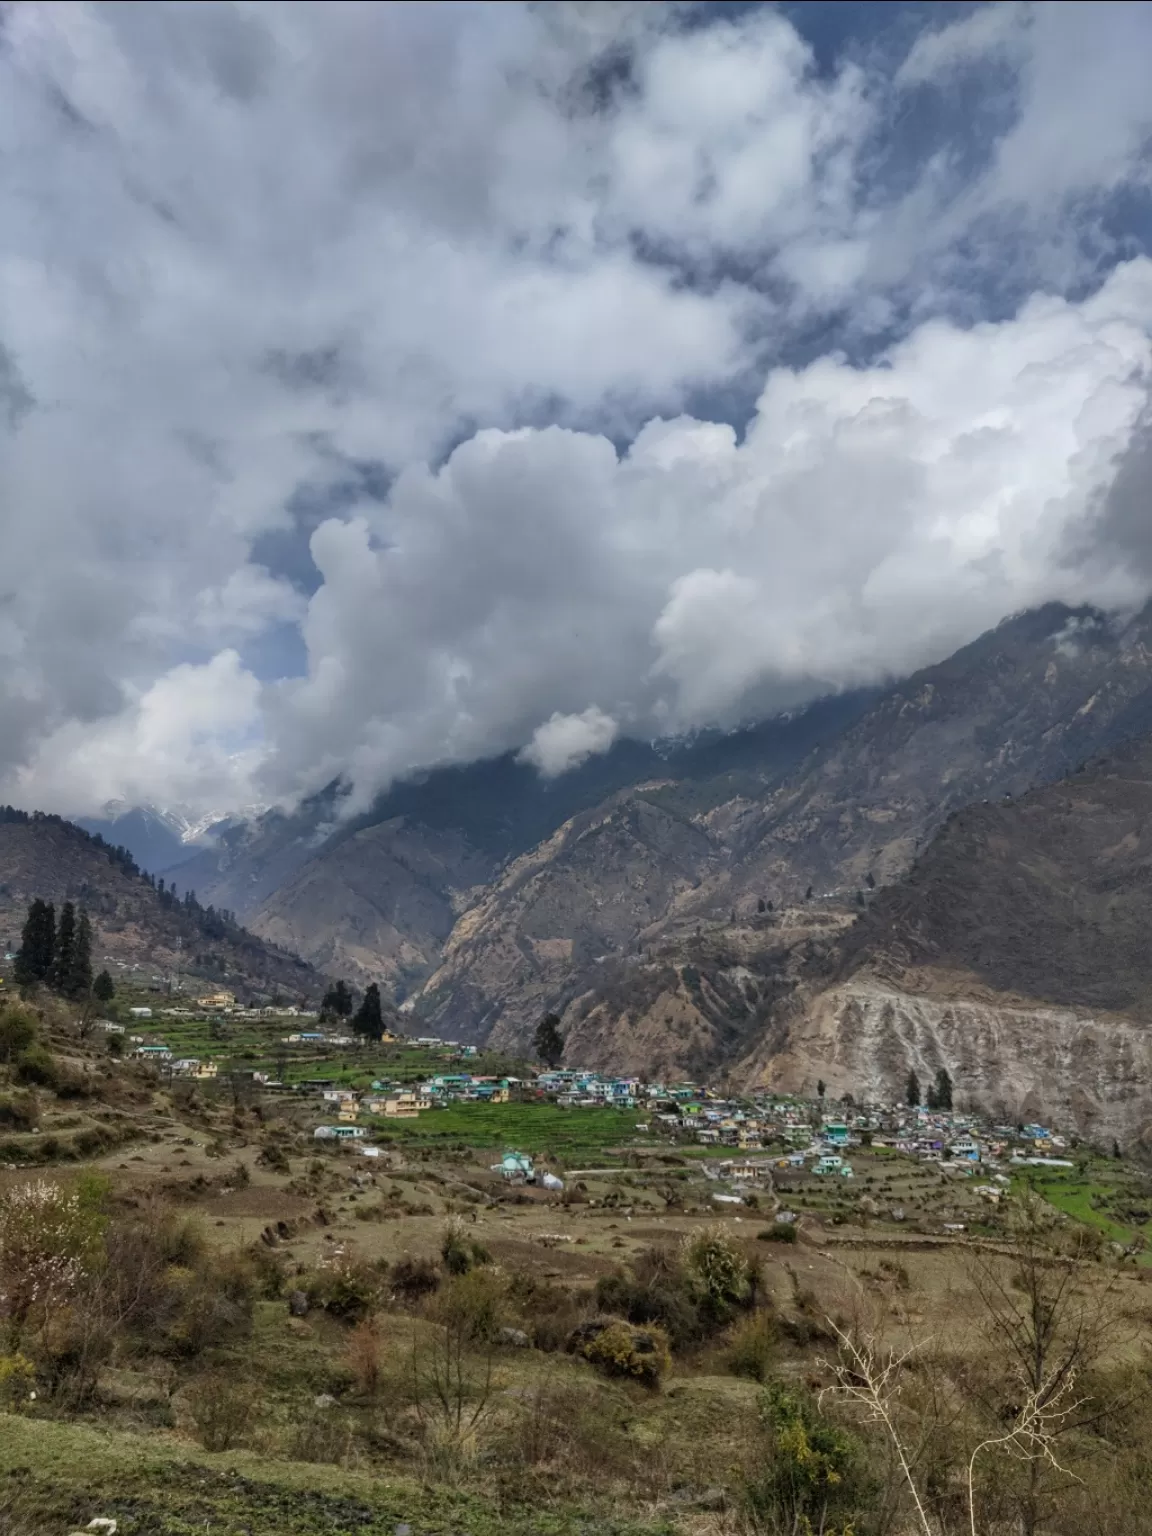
387	385
566	741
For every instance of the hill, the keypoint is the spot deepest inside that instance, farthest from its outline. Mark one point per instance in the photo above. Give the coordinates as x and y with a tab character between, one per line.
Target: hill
135	923
1014	952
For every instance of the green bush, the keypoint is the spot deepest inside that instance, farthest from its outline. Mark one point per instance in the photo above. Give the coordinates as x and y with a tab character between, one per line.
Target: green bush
815	1477
617	1348
752	1347
349	1290
475	1304
18	1111
37	1066
221	1409
412	1279
718	1273
778	1232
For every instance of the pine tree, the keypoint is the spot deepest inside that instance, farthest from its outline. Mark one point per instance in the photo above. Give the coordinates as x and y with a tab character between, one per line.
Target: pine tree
37	944
820	1088
65	945
103	988
368	1019
77	982
337	1002
912	1090
548	1042
943	1093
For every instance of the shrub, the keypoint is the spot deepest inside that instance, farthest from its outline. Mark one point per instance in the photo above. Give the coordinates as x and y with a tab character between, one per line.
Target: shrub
718	1273
657	1291
413	1279
18	1111
475	1304
778	1232
752	1347
454	1249
349	1290
17	1379
37	1066
17	1030
621	1349
221	1409
364	1356
814	1478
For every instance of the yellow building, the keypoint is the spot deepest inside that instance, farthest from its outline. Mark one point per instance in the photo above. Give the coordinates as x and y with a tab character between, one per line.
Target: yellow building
217	1000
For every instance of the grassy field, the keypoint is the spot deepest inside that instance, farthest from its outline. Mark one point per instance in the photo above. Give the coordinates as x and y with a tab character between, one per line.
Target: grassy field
527	1127
1103	1195
55	1475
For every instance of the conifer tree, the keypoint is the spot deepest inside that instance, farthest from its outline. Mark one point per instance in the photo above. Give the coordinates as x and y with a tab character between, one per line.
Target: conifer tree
912	1090
77	982
548	1041
337	1002
943	1094
37	944
368	1019
65	947
103	988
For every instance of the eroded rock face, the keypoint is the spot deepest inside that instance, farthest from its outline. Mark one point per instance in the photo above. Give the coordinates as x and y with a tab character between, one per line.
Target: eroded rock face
1090	1072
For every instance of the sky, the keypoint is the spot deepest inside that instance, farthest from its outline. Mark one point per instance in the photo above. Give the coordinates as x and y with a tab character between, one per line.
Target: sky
384	386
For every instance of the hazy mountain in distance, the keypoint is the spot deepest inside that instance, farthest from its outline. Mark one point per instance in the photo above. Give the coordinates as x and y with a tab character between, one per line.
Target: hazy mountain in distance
160	838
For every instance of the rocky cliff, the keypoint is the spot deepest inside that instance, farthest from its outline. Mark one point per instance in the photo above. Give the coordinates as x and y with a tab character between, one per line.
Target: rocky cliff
1089	1070
1015	953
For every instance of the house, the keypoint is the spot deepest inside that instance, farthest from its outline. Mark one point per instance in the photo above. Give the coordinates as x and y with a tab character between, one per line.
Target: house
964	1148
829	1163
835	1133
140	1013
339	1132
742	1168
153	1052
516	1167
220	1001
407	1104
348	1112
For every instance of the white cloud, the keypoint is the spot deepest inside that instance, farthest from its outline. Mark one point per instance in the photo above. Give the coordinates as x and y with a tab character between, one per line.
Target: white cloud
259	262
871	518
190	736
988	31
566	741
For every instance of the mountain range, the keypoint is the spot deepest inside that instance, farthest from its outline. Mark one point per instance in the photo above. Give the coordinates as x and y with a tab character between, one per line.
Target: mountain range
798	899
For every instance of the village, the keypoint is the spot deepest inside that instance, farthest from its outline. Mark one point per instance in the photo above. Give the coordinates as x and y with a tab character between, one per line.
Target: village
766	1135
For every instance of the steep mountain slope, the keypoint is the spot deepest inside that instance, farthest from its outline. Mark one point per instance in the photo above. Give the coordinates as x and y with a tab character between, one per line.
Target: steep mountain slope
46	856
558	910
691	1006
379	906
375	898
1021	705
1015	952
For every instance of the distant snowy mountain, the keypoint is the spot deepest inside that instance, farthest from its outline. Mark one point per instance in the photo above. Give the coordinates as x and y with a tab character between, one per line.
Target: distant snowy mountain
159	837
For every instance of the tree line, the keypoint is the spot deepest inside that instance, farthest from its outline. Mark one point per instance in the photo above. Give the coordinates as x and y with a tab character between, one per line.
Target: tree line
56	952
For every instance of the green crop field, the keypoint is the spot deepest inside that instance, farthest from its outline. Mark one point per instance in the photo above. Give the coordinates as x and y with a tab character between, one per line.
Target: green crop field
1101	1196
527	1127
